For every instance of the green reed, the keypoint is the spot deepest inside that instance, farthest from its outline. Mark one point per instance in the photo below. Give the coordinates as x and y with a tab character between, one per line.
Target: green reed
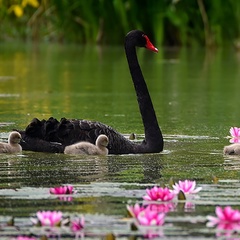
167	22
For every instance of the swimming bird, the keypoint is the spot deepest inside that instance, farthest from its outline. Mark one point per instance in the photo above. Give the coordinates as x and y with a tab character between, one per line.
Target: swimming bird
232	149
53	136
87	148
13	145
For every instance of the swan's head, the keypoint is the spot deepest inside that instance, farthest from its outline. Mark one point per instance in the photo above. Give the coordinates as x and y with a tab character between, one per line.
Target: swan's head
102	140
14	137
140	39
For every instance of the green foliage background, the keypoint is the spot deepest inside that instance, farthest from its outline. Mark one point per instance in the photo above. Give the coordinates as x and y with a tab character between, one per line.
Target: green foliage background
167	22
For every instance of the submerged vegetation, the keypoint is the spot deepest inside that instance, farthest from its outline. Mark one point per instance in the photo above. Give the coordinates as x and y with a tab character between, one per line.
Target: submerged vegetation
168	22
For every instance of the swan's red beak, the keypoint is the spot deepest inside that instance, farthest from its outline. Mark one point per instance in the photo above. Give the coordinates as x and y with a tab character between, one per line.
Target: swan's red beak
149	45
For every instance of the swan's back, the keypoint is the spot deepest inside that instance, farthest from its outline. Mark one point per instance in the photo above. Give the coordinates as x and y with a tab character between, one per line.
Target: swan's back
53	136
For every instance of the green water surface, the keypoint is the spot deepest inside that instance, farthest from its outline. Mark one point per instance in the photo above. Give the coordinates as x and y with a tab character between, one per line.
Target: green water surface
195	93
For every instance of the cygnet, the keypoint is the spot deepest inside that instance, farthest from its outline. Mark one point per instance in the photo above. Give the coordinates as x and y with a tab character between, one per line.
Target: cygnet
232	149
86	148
13	145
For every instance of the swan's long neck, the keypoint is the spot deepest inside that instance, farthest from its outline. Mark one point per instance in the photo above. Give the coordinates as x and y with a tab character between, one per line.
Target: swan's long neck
153	135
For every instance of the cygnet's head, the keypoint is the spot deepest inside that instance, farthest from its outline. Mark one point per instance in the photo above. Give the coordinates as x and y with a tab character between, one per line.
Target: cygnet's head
102	140
14	137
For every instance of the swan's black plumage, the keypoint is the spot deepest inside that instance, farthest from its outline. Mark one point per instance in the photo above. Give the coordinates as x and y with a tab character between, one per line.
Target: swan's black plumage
52	135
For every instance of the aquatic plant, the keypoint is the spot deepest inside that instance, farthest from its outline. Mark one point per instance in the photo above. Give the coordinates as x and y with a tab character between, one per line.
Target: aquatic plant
159	194
135	209
168	22
18	9
149	217
226	217
24	238
77	224
162	207
186	186
227	221
48	218
189	206
68	189
235	135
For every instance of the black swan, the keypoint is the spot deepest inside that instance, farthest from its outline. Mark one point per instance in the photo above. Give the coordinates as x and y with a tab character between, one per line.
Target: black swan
12	146
87	148
232	149
53	136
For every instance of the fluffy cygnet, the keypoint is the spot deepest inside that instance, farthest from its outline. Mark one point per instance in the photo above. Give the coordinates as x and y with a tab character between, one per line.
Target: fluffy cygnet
12	146
232	149
100	147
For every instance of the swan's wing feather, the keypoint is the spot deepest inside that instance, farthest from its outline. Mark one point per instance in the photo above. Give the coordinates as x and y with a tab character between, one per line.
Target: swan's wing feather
36	144
6	148
87	148
52	135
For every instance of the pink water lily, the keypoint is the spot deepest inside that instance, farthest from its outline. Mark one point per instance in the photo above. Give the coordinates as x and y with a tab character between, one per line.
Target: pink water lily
49	218
24	238
68	189
135	209
186	186
159	194
66	199
77	224
162	207
227	218
235	135
189	206
150	218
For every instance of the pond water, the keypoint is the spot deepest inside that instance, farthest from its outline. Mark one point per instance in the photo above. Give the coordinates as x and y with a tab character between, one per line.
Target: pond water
195	93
